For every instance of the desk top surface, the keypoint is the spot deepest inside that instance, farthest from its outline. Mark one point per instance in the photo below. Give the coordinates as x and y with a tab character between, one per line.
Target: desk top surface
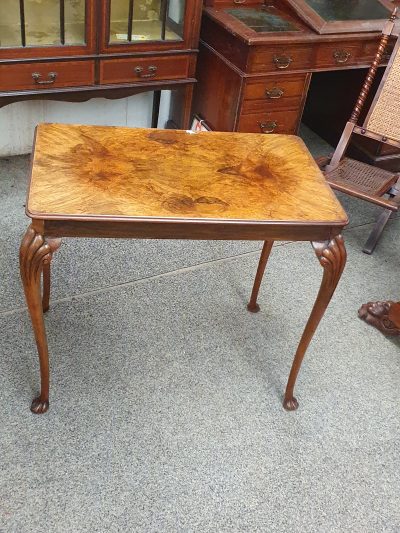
103	173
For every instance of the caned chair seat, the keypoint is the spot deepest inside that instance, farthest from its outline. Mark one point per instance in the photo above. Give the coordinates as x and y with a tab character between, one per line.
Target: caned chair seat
357	177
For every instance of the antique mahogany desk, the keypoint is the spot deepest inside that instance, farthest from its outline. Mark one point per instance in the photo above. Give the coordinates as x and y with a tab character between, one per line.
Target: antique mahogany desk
256	62
89	181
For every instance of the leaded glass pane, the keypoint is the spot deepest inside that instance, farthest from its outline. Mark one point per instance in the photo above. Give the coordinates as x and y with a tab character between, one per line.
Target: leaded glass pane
332	10
146	20
42	22
75	22
10	27
262	20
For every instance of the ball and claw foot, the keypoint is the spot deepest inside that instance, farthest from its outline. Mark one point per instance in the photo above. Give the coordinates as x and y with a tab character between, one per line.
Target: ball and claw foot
253	308
384	316
290	404
39	406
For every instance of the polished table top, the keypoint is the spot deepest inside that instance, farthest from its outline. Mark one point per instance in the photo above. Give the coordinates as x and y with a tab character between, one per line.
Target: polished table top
98	173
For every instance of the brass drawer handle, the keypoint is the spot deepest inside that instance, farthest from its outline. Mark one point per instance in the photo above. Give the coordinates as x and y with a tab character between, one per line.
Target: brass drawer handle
274	93
152	71
239	1
282	61
341	56
52	76
268	127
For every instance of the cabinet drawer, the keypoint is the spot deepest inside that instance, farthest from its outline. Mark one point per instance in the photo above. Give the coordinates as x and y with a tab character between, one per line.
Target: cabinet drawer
370	48
50	75
338	55
273	122
280	58
273	92
134	70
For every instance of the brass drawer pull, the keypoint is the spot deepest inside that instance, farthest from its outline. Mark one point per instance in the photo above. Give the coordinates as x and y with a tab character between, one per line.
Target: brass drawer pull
52	76
274	93
268	127
239	1
341	56
282	61
152	71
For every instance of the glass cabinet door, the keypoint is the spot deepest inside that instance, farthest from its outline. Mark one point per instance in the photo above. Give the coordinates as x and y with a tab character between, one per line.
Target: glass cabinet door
134	21
37	23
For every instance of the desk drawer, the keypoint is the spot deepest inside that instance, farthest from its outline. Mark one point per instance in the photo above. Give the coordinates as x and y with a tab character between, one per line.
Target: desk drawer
338	55
50	75
272	122
280	58
369	50
274	92
143	70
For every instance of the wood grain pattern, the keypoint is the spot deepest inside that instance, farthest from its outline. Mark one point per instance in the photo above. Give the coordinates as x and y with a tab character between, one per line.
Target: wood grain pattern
103	172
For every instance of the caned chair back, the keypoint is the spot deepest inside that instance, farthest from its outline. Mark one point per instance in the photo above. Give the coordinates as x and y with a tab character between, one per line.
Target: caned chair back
384	114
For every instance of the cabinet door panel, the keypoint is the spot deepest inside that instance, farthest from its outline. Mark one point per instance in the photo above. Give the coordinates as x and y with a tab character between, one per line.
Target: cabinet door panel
150	25
46	28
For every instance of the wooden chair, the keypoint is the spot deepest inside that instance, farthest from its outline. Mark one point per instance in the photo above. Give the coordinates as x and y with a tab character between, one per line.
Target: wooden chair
382	123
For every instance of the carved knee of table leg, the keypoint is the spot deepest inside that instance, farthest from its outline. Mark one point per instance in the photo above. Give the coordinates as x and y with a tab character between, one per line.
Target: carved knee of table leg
332	256
35	252
54	245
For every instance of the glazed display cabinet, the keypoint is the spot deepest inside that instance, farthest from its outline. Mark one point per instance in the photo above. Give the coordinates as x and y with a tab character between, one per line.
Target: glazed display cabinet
79	49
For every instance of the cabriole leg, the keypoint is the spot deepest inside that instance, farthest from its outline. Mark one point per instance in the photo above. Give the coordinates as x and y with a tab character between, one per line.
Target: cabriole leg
253	306
332	256
35	253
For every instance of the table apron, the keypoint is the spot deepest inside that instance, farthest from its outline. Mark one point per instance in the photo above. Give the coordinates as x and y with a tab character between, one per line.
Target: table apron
195	230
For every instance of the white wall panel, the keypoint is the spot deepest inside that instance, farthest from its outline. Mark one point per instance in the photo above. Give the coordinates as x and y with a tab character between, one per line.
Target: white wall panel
17	125
98	111
18	121
139	110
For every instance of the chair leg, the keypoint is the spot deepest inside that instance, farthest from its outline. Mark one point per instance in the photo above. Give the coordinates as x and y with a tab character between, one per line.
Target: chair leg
253	306
376	232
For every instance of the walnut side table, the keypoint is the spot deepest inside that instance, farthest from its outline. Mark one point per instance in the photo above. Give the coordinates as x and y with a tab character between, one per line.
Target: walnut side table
89	181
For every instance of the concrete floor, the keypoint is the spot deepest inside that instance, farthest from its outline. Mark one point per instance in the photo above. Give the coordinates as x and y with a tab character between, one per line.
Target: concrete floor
166	393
